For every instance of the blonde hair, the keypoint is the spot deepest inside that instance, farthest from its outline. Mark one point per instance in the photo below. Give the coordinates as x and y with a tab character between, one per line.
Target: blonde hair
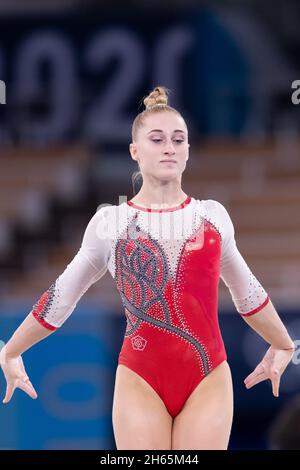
155	102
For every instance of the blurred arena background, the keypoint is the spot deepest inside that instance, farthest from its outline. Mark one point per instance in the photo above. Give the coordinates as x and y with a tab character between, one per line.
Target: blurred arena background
75	72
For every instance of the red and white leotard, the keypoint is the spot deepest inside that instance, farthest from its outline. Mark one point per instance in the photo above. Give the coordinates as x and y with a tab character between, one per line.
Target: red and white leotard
167	264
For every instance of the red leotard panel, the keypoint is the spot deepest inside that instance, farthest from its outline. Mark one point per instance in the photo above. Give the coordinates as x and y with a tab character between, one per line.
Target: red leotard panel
172	339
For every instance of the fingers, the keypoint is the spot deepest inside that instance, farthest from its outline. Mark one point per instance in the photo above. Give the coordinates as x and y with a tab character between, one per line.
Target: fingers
274	376
275	379
32	392
255	380
27	387
24	385
9	393
30	389
257	371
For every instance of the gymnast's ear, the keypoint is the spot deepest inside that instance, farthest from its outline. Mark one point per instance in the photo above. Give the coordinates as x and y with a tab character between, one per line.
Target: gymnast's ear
133	151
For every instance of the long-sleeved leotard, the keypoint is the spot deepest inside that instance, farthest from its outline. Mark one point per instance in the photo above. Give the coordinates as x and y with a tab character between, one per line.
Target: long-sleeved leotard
167	265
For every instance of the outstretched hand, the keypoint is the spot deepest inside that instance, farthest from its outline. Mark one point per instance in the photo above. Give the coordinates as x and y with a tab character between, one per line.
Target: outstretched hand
271	367
15	375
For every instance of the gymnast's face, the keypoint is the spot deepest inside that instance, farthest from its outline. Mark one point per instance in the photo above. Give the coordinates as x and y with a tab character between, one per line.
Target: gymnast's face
161	147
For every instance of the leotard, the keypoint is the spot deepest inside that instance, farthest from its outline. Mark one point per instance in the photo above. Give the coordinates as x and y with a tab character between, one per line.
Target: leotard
167	264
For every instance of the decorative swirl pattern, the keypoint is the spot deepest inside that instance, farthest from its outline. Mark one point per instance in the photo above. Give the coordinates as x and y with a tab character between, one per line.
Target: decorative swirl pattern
142	277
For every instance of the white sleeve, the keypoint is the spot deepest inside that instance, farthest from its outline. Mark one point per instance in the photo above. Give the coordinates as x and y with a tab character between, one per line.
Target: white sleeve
87	267
247	293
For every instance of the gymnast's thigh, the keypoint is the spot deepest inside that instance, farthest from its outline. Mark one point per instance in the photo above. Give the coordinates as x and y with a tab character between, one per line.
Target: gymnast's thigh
205	420
140	418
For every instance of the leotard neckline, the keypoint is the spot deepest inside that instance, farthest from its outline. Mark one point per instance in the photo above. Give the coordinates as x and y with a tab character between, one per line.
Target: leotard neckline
169	209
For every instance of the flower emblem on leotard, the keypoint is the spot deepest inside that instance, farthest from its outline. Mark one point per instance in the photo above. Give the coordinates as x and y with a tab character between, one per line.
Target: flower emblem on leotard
138	343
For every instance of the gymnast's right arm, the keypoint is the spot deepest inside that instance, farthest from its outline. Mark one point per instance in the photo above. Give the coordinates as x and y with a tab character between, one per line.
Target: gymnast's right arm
56	304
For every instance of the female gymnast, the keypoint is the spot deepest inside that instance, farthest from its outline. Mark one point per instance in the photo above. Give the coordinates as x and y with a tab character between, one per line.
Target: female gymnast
166	252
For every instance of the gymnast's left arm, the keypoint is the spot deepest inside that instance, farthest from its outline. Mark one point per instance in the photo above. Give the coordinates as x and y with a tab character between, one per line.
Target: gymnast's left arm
255	307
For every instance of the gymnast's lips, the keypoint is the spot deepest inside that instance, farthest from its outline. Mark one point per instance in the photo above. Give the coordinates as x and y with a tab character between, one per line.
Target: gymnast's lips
168	161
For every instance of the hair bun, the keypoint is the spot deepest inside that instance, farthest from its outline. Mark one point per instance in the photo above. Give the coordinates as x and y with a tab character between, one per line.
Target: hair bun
159	96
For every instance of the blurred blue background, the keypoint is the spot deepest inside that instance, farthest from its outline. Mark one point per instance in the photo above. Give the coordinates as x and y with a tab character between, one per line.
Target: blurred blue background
75	73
